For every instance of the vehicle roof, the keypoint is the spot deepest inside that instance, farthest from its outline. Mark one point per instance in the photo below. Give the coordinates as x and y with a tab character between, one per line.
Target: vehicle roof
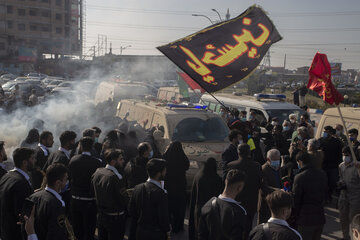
347	112
165	109
251	101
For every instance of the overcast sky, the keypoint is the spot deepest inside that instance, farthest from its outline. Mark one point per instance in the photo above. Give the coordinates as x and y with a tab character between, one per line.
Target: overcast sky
307	26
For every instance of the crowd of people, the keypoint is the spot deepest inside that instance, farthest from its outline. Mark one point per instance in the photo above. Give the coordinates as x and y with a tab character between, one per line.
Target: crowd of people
281	176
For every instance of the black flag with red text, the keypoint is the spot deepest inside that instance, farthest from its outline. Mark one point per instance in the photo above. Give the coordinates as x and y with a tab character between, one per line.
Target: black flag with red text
225	53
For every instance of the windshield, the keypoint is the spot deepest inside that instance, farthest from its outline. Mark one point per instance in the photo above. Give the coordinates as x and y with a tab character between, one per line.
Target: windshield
283	114
199	130
8	85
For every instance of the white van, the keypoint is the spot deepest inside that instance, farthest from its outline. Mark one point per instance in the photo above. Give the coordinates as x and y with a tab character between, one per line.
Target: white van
264	105
202	133
331	117
115	91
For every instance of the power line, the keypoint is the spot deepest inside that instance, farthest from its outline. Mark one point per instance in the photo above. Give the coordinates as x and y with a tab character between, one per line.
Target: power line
184	12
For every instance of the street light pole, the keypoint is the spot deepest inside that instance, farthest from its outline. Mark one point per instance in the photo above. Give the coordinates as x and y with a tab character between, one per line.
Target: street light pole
200	15
123	48
213	9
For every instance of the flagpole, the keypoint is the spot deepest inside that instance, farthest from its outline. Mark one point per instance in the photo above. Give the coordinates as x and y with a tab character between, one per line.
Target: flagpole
222	104
346	134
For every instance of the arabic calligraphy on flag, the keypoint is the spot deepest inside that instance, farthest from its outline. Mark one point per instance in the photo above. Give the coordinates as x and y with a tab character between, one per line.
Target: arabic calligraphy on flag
223	54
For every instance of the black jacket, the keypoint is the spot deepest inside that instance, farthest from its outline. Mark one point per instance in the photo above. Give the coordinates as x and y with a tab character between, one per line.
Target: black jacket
332	148
250	194
81	168
205	186
14	188
148	205
221	220
49	217
177	163
2	172
278	232
110	191
230	154
135	171
36	175
310	188
56	157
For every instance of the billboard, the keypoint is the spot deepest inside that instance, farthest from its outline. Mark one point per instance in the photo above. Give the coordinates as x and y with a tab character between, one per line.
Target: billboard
27	54
335	68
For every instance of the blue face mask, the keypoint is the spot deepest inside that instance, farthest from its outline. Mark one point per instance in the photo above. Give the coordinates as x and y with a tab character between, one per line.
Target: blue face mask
243	119
325	134
299	167
286	128
96	140
352	139
275	164
299	137
151	154
249	135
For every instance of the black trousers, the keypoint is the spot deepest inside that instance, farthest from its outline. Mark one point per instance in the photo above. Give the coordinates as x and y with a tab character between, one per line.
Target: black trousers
148	234
249	224
111	227
177	208
83	218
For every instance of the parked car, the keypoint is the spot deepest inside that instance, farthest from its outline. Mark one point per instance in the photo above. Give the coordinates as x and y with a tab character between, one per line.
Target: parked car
53	84
37	75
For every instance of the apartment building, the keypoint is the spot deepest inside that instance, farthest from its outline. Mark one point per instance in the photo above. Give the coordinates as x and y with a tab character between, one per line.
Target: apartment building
31	28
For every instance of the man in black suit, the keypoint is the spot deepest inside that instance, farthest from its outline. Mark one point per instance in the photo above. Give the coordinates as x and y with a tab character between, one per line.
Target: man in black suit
3	157
149	205
223	217
111	197
231	153
309	188
15	186
50	220
83	204
250	195
62	155
280	204
41	153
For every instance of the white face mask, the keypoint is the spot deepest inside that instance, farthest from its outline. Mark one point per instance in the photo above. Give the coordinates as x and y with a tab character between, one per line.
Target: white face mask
240	141
292	120
346	159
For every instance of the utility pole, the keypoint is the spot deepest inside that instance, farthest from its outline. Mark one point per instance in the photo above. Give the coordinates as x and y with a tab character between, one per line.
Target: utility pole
285	62
110	52
227	16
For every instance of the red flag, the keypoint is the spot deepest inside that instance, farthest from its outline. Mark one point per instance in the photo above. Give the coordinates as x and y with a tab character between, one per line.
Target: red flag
320	80
192	84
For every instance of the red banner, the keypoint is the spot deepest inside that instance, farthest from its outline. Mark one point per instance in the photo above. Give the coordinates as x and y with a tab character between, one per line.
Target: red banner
192	84
320	80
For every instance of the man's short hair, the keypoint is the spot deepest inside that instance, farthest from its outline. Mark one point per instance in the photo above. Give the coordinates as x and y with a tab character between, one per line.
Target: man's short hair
155	166
96	129
244	149
279	200
355	223
86	144
2	143
88	132
292	115
55	172
328	128
45	135
22	154
112	154
303	157
353	131
313	144
302	129
142	148
278	128
233	134
273	153
235	112
235	176
67	137
243	112
305	116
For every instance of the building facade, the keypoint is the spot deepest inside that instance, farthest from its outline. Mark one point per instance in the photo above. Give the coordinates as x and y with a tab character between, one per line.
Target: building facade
31	28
